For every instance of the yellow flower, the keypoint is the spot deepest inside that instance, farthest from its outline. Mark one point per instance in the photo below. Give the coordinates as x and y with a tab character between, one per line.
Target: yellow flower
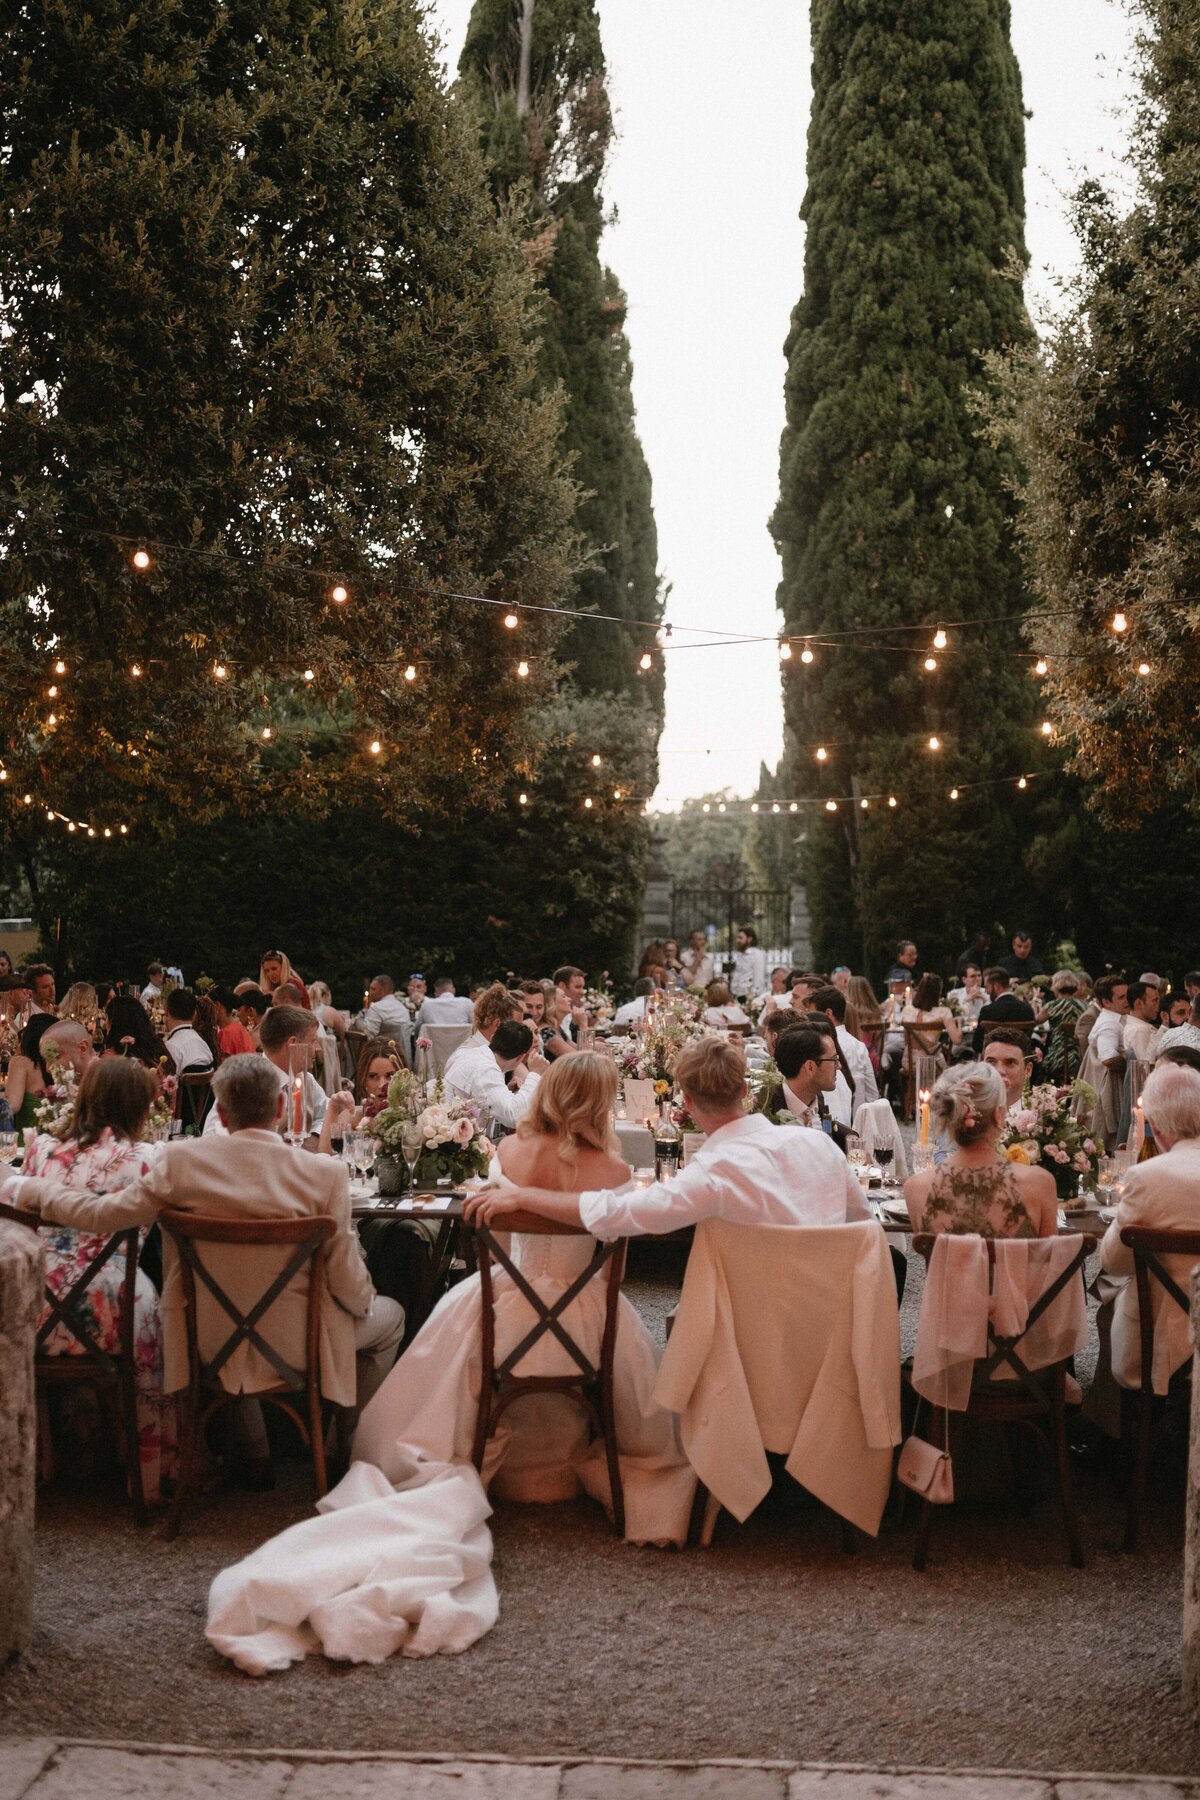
1015	1154
661	1088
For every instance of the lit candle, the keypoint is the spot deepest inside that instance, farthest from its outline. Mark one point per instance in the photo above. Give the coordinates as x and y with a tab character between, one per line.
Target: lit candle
298	1105
366	999
924	1137
908	996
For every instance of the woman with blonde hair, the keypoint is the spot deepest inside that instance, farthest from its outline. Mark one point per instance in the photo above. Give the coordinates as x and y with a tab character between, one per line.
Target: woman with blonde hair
540	1449
82	1004
276	971
977	1189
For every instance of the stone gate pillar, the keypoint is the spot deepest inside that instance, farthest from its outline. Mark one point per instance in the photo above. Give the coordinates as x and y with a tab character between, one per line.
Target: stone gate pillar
20	1303
656	899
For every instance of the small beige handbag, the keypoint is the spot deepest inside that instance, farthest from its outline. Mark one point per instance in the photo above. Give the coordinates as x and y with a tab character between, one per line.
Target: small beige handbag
927	1470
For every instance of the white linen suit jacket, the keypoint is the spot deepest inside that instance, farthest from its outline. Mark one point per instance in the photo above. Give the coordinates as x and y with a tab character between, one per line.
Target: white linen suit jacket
1162	1194
248	1175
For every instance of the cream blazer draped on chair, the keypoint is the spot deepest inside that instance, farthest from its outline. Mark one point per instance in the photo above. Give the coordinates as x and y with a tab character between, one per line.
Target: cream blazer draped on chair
787	1339
245	1176
1162	1194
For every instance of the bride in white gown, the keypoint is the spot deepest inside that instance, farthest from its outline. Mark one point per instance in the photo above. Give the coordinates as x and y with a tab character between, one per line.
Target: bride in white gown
540	1449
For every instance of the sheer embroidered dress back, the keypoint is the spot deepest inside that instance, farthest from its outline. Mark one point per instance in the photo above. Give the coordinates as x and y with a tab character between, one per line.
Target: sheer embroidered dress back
987	1201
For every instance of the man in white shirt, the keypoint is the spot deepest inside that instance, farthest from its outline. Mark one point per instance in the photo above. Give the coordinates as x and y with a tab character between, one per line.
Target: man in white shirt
186	1048
814	1089
1140	1036
385	1016
747	1170
445	1007
1186	1032
474	1072
634	1011
749	976
154	981
1104	1039
288	1036
696	963
570	985
832	1002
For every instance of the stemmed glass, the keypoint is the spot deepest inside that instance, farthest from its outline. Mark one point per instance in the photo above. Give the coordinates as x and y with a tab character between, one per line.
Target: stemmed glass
10	1148
350	1143
368	1149
412	1143
884	1154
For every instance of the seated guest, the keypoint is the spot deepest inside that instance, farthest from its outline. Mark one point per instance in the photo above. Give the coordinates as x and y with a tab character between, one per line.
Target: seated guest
1187	1034
696	963
39	978
99	1151
386	1016
778	992
28	1082
807	1059
746	1170
252	1007
80	1003
232	1037
185	1046
130	1033
275	970
417	991
475	1073
926	1008
1002	1008
776	1023
570	985
332	1017
248	1173
377	1063
445	1007
904	964
1008	1053
832	1003
1162	1194
673	964
977	1189
969	996
67	1049
721	1008
840	978
1173	1010
635	1010
288	1036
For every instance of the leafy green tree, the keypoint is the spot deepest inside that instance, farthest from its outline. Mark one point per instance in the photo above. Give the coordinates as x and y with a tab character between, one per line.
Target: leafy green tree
893	511
1106	419
706	848
260	310
535	73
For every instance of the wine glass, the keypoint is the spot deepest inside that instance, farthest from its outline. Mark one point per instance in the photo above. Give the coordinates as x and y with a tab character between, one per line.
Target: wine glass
10	1148
884	1153
368	1150
412	1143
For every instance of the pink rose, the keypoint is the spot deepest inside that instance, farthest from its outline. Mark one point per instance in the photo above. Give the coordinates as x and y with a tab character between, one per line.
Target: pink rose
464	1131
1089	1146
424	1043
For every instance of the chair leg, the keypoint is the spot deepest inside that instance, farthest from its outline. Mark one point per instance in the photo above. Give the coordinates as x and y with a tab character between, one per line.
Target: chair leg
712	1512
133	1445
1065	1490
316	1438
921	1547
187	1453
1137	1485
612	1457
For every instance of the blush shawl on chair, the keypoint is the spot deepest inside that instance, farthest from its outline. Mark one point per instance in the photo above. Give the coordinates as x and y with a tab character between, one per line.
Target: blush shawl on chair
787	1339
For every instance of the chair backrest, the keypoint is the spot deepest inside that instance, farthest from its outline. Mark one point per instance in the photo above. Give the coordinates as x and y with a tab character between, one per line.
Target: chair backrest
607	1259
444	1041
68	1307
193	1098
188	1232
871	1032
1148	1248
920	1040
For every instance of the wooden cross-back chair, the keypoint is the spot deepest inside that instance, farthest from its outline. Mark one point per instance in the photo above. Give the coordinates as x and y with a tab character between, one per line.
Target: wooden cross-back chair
592	1386
70	1309
1035	1399
193	1098
298	1382
1148	1247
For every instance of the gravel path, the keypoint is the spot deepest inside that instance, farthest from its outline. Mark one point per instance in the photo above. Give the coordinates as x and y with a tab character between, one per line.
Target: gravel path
773	1644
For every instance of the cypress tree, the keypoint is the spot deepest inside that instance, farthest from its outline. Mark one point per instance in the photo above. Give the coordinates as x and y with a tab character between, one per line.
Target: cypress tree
893	510
535	73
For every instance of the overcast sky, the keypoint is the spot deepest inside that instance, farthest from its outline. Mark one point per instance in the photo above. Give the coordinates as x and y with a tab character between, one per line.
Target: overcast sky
706	180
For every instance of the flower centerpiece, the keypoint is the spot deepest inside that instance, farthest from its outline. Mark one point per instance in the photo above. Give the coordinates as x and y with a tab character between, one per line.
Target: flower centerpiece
1042	1129
452	1146
650	1055
54	1109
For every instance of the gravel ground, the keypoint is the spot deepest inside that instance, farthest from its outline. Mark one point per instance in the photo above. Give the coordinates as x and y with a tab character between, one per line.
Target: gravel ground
773	1644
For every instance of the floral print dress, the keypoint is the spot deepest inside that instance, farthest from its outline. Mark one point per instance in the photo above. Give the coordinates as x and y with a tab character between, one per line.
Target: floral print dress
984	1200
102	1168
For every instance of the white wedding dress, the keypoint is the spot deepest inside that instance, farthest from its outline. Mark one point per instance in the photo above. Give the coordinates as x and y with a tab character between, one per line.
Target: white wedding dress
540	1449
399	1555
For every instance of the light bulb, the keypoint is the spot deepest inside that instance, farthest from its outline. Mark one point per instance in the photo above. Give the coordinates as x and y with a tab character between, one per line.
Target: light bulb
1120	622
935	743
754	806
49	814
124	831
108	831
60	668
309	675
91	831
720	806
864	804
70	825
376	746
28	799
410	674
588	802
511	620
617	794
954	793
266	731
806	655
522	670
3	774
220	671
891	799
53	719
822	753
522	799
831	806
1143	668
775	807
1039	667
930	664
339	594
785	651
1022	783
136	669
793	807
645	661
596	761
52	693
706	807
939	638
141	558
1047	728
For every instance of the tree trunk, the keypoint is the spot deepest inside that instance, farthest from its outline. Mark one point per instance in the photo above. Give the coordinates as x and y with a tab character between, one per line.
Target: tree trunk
525	62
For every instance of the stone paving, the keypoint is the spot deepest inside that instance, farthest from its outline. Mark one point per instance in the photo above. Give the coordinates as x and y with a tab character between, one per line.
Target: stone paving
62	1769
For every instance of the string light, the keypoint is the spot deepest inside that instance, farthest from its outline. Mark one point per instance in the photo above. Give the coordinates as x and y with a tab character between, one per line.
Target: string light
706	807
754	806
141	557
645	661
822	753
124	829
954	793
618	795
60	667
1047	728
71	825
588	802
775	807
376	746
410	674
108	831
831	806
220	671
720	806
793	807
309	675
864	803
136	670
1143	668
939	638
806	655
53	719
522	670
891	799
511	621
3	774
1039	667
1120	622
28	799
930	664
785	651
1022	783
339	593
596	761
935	743
266	731
52	693
522	799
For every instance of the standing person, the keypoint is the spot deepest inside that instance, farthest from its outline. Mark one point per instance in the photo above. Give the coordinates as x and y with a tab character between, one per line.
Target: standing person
1002	1008
154	984
902	969
1139	1038
976	952
185	1046
696	963
276	970
1021	963
749	978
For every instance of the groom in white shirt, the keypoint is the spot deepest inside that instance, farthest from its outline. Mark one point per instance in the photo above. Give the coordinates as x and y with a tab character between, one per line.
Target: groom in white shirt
474	1071
747	1170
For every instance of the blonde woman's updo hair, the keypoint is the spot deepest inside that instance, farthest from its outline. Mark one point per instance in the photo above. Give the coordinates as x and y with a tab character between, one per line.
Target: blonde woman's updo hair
1064	981
965	1100
573	1103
